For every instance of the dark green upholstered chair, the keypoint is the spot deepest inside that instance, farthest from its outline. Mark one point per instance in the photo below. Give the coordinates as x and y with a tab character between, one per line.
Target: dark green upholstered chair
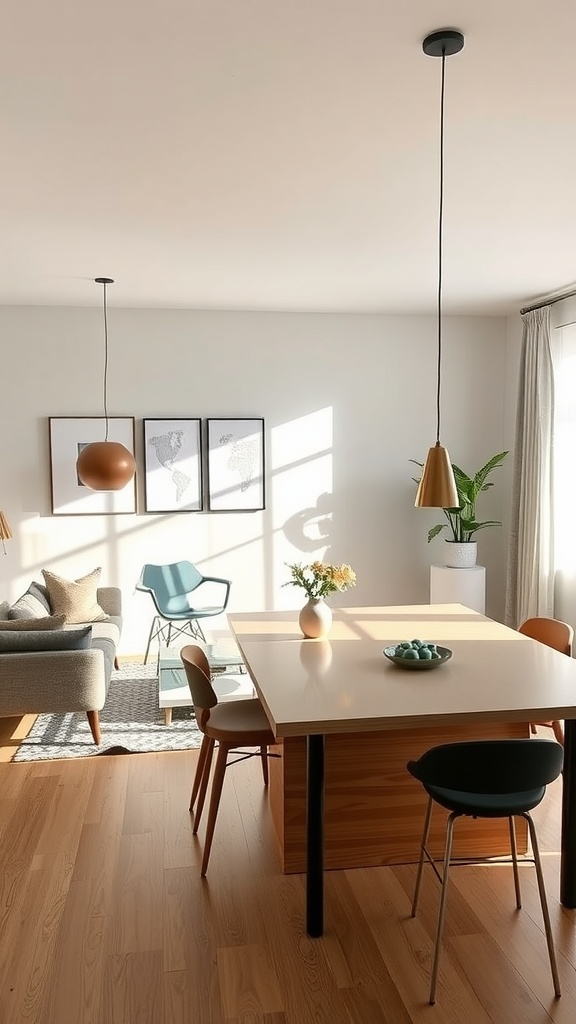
486	779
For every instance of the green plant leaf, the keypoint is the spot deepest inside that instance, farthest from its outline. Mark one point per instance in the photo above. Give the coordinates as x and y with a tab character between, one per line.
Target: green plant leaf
493	463
435	531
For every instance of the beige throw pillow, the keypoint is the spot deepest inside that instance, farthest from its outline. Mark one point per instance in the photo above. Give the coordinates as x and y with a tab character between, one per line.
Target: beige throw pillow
18	625
75	599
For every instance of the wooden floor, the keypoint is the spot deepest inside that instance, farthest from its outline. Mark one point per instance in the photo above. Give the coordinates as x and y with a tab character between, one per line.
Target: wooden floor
105	920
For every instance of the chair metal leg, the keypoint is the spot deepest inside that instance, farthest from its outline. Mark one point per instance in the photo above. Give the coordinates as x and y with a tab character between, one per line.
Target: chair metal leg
544	902
195	630
514	852
151	635
203	786
217	782
427	821
199	770
264	759
447	854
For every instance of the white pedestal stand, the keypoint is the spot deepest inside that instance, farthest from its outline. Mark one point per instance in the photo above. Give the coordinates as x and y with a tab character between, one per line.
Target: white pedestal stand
458	586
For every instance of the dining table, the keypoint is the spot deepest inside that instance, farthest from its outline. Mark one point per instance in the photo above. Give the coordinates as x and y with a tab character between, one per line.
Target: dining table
495	674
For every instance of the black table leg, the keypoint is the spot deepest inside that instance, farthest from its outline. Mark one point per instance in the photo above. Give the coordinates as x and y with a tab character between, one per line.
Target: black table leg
568	861
315	836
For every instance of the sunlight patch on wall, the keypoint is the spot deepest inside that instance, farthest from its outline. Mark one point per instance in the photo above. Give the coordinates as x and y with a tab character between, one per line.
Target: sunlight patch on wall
301	482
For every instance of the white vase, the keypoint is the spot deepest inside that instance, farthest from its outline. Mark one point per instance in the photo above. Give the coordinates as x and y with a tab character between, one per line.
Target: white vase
459	555
315	618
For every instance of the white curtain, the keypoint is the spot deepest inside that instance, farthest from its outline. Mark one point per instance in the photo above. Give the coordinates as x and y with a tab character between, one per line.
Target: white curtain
564	359
530	576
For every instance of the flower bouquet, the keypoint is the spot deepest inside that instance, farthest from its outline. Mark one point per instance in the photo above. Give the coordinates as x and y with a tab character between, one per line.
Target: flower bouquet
317	581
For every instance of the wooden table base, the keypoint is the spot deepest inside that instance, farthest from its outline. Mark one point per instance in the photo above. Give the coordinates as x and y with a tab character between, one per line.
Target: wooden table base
373	809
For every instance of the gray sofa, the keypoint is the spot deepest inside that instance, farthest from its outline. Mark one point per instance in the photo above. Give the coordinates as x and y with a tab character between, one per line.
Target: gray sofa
52	681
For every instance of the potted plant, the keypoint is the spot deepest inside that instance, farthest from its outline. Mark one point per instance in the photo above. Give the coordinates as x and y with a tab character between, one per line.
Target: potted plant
460	548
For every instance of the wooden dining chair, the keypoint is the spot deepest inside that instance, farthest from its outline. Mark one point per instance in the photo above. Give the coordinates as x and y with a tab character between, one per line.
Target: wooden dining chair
237	723
559	635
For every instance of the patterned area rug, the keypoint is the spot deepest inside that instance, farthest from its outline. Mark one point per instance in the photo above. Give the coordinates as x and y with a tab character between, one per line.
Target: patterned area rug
130	718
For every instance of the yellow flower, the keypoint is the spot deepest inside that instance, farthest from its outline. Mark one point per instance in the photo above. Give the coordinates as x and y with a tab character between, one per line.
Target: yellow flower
320	579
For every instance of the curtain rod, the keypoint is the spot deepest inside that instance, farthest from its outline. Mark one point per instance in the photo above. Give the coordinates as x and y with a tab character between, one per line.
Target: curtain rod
548	302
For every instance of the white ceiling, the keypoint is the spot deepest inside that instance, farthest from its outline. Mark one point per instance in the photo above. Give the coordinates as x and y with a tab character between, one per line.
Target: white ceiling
258	154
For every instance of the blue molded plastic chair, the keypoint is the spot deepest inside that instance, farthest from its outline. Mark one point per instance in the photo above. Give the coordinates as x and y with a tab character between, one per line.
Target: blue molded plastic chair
487	779
171	588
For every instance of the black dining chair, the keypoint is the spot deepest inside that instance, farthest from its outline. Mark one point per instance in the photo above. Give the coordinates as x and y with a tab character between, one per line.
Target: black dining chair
486	779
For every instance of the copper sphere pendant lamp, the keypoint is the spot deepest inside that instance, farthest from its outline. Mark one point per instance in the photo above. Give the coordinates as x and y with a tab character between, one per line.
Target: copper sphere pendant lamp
105	465
437	487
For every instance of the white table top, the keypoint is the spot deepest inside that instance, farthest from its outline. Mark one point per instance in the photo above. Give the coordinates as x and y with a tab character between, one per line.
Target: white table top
345	684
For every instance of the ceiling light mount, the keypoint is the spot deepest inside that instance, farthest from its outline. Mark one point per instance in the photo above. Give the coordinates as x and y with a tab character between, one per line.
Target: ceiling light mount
443	43
437	487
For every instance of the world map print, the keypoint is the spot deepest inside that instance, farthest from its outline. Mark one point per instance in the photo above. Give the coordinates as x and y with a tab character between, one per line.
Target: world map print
166	448
243	458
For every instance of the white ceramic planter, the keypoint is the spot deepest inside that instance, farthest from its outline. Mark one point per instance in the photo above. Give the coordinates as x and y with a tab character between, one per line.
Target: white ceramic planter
460	556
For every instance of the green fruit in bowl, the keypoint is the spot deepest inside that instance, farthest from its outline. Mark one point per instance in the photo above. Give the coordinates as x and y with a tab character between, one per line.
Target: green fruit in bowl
427	655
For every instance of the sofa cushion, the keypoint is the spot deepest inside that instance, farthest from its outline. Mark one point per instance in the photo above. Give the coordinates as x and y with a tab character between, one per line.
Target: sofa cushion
108	647
76	599
4	609
34	604
28	641
17	625
109	629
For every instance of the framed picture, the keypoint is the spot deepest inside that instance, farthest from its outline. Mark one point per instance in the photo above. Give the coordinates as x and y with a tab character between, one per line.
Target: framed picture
173	466
235	465
68	436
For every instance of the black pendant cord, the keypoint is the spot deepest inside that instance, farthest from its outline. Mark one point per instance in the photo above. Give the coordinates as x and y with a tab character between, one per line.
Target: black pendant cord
105	281
440	227
105	361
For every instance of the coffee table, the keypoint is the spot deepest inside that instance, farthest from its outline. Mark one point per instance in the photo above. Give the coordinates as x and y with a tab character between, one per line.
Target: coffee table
173	689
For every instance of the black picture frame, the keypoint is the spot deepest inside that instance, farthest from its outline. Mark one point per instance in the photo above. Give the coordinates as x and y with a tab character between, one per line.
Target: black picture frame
173	469
236	464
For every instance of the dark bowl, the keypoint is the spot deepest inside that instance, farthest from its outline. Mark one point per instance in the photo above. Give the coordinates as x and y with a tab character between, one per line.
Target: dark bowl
416	665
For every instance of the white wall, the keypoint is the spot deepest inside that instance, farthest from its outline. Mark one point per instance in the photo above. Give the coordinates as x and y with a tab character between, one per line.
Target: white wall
347	401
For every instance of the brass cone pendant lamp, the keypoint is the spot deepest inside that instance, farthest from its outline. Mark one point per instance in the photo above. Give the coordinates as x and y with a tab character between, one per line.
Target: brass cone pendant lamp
437	487
105	465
